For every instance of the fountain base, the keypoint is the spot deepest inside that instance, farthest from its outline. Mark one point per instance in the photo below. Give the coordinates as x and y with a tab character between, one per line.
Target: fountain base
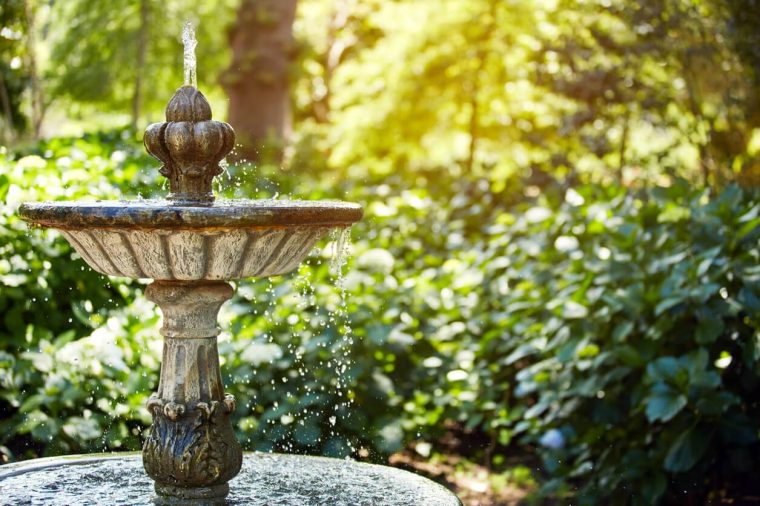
190	451
265	479
169	495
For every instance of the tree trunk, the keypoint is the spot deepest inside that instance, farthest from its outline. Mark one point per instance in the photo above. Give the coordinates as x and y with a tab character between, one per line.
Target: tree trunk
480	56
473	129
624	142
336	47
7	111
257	80
142	49
38	109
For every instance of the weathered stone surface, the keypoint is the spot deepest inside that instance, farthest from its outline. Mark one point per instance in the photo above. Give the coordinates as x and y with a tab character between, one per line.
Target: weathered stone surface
191	449
154	214
190	145
189	309
266	479
188	255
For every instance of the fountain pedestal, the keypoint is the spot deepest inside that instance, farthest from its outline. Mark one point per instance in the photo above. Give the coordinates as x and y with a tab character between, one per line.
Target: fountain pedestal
191	451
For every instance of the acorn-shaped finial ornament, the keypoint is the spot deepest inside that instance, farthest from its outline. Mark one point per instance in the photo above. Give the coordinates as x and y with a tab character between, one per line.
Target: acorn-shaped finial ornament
190	145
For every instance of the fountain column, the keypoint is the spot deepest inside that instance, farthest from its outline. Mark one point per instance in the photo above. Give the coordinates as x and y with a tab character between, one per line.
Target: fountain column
191	451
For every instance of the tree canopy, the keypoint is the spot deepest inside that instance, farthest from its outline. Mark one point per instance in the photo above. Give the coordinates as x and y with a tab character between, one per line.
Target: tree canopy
555	89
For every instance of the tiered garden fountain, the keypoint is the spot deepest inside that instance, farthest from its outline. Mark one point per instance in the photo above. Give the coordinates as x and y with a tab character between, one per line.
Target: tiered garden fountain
190	245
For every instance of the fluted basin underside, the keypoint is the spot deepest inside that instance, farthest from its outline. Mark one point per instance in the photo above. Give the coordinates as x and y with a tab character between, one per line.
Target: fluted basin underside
193	255
229	240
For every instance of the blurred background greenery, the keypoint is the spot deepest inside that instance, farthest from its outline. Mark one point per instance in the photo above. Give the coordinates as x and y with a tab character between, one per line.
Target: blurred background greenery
554	296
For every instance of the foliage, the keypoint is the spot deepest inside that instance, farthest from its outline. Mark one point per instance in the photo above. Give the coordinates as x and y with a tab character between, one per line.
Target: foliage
532	268
542	90
14	76
612	332
639	76
629	323
58	384
85	69
744	17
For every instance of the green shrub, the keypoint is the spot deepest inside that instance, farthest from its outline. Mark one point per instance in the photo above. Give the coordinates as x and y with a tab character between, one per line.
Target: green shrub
629	324
613	332
60	389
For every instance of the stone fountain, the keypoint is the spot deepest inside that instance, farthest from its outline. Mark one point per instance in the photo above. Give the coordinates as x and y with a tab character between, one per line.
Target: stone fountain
191	246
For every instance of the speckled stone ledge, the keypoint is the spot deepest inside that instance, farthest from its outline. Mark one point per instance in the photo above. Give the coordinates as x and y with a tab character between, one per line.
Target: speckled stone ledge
226	215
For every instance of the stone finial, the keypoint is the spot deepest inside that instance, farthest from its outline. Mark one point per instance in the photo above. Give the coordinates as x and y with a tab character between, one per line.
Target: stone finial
190	145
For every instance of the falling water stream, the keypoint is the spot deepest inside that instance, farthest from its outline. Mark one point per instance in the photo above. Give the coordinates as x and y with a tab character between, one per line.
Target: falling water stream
341	244
326	317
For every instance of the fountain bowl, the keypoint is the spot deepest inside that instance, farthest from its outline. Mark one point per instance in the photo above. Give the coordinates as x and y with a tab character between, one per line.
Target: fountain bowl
224	241
265	479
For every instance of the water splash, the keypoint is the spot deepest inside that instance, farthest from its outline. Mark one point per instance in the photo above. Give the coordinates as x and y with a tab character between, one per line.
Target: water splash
338	317
341	244
219	181
189	41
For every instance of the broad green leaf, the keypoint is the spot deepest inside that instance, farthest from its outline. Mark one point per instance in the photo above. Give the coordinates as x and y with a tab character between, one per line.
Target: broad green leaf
622	331
664	369
709	326
572	310
667	304
686	450
715	403
84	428
629	355
704	291
664	405
748	298
747	228
588	351
674	213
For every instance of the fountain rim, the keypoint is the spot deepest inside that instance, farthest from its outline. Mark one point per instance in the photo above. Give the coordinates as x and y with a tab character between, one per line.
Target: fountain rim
228	215
29	467
13	469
